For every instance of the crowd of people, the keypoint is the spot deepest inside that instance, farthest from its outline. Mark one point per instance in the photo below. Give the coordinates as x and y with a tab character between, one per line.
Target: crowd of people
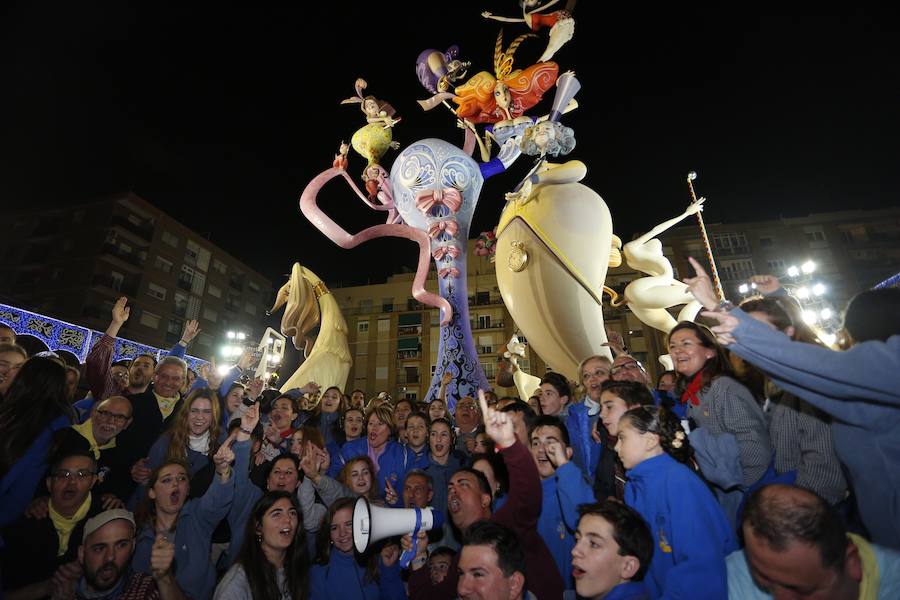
764	465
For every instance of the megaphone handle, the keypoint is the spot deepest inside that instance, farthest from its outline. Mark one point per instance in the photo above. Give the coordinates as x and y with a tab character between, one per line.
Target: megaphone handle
408	555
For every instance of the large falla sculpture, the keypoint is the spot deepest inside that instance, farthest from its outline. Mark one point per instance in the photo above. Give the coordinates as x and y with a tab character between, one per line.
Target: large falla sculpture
554	240
554	245
429	197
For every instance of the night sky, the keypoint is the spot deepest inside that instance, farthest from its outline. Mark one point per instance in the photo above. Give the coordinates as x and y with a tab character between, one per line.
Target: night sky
220	115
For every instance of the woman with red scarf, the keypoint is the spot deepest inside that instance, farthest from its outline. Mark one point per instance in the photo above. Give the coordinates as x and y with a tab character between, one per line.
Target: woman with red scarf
719	405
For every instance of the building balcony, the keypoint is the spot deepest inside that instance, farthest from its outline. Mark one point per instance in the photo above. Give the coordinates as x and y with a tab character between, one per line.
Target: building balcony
143	231
736	251
409	354
491	301
129	288
408	379
484	326
129	257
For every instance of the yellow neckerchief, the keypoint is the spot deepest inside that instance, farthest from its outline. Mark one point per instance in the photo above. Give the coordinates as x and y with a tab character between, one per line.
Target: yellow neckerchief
166	405
65	525
86	430
871	578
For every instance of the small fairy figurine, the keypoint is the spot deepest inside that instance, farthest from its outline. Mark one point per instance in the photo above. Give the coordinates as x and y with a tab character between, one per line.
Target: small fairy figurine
373	140
340	159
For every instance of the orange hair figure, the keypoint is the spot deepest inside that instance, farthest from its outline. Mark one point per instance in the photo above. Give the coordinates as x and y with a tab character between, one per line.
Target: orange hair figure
478	97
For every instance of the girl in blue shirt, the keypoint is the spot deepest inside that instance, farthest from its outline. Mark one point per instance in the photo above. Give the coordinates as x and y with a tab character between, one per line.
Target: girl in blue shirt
690	532
338	574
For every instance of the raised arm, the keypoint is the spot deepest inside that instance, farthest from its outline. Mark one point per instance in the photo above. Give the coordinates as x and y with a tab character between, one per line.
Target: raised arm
490	15
99	359
523	505
829	380
692	209
191	329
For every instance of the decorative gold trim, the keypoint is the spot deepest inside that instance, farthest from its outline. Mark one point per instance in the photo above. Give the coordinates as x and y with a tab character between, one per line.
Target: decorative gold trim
321	289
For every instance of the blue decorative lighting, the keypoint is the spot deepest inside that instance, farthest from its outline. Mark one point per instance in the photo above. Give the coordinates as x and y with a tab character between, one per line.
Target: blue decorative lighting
890	281
61	335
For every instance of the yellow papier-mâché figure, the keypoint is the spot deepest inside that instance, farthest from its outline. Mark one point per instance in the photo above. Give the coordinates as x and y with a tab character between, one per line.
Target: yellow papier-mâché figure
554	245
309	303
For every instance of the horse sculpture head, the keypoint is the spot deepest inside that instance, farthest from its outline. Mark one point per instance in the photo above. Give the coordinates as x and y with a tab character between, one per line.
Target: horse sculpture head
301	313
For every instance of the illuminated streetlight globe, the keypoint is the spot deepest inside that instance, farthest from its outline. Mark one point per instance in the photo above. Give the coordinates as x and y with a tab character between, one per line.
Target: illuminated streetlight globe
793	271
818	289
808	267
810	317
826	314
744	288
230	335
803	293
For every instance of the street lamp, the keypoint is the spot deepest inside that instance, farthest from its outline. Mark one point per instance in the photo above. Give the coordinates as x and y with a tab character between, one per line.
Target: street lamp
803	293
818	289
826	314
808	267
810	317
793	271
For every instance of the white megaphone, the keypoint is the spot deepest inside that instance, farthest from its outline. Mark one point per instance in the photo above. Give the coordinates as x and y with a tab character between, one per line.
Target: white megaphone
373	523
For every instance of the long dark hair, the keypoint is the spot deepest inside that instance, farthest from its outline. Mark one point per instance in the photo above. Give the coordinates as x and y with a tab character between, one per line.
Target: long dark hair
714	367
324	545
35	399
260	573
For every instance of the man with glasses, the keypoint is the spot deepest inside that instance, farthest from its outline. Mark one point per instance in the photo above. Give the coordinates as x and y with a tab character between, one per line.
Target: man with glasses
98	436
467	421
628	368
36	546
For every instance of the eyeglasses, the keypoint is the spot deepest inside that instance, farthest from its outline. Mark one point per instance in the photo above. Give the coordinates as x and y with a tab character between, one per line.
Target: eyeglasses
66	474
115	418
466	407
632	364
595	373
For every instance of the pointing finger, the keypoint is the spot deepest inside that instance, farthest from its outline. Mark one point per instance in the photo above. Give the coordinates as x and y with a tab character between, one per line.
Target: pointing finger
482	401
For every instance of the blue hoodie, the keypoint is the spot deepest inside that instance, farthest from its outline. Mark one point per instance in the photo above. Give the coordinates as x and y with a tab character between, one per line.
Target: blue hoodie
563	492
860	389
690	532
440	480
193	535
392	464
585	451
344	579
